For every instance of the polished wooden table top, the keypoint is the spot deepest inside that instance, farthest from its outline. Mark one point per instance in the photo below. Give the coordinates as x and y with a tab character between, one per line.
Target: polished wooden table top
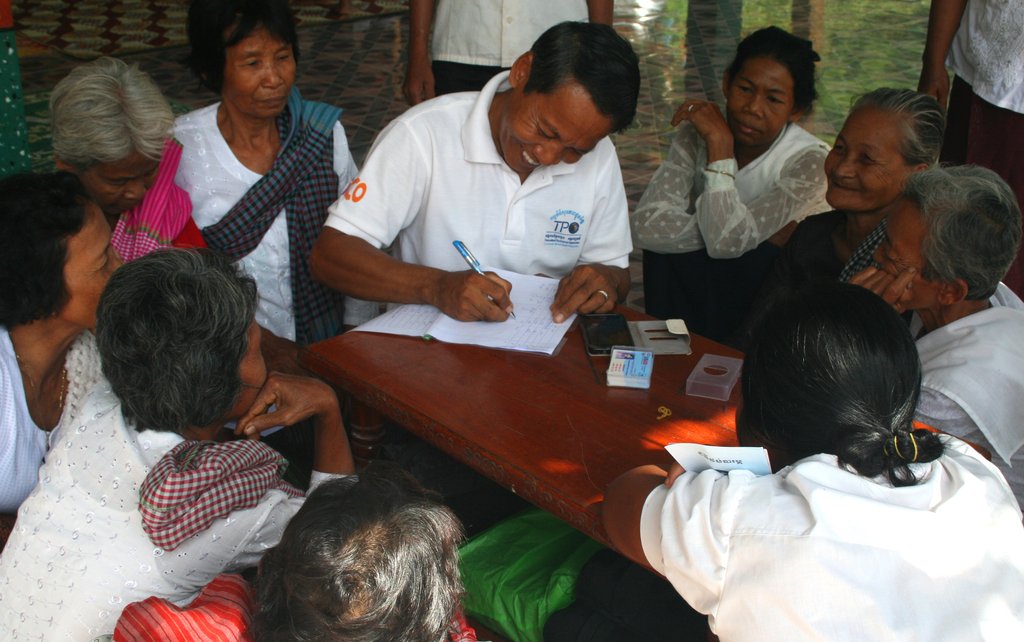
547	428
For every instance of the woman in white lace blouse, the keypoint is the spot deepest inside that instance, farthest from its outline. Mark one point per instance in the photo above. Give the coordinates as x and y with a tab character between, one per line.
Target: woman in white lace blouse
732	187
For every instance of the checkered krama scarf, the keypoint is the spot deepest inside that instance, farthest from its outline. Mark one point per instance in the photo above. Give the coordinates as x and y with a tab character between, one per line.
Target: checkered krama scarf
302	181
200	481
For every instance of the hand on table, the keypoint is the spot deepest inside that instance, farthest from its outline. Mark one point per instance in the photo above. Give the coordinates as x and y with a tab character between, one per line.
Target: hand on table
588	288
709	122
468	296
896	289
285	400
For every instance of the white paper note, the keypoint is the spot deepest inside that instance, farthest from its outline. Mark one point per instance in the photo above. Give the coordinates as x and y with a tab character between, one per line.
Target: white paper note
698	457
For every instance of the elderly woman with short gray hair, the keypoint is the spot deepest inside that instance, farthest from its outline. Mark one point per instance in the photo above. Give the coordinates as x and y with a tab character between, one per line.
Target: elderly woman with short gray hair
138	495
948	244
112	129
888	136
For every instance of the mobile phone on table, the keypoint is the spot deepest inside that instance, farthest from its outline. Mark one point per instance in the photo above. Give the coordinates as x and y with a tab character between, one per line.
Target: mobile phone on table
603	331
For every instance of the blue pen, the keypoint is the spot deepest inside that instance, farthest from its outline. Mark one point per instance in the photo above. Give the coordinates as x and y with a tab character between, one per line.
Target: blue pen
471	261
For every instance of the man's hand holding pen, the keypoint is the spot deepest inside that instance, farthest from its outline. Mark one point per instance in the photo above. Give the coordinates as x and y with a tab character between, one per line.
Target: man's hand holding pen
469	296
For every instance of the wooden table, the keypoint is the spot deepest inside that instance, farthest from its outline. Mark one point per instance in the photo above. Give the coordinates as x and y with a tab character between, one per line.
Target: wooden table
547	428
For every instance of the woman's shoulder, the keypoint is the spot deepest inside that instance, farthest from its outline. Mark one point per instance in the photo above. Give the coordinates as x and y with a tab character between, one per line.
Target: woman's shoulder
197	120
797	146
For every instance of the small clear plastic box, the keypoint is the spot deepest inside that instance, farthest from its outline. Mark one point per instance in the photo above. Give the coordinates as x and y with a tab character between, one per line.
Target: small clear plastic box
714	377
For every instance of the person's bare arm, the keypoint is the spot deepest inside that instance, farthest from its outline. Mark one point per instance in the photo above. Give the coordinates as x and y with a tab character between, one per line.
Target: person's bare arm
943	22
600	11
419	78
280	354
352	266
581	290
287	400
624	504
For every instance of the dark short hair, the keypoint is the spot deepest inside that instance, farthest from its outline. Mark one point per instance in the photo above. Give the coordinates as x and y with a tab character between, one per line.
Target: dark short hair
796	54
833	369
215	25
596	57
172	328
372	560
38	213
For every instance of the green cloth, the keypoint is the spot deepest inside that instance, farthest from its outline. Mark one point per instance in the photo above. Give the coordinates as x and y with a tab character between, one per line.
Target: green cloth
522	570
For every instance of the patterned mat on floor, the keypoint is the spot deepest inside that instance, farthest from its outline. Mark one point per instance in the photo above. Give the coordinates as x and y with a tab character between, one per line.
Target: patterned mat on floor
87	29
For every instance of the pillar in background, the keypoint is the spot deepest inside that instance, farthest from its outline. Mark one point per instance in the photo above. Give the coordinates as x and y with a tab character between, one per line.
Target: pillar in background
14	155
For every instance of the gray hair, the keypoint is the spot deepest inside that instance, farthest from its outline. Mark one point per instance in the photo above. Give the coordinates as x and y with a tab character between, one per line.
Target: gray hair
104	110
172	328
369	561
923	122
973	223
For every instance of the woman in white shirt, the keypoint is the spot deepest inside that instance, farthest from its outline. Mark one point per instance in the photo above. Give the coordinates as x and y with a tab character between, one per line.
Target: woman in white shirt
262	165
732	186
54	263
868	529
135	499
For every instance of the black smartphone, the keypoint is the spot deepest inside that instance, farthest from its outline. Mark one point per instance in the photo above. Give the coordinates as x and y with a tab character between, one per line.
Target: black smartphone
603	331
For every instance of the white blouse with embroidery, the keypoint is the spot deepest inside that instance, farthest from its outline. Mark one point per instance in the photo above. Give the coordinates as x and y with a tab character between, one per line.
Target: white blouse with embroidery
690	205
22	443
78	554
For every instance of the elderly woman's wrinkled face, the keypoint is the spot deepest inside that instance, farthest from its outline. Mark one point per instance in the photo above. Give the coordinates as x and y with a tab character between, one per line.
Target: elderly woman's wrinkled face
865	168
900	251
90	262
118	187
259	73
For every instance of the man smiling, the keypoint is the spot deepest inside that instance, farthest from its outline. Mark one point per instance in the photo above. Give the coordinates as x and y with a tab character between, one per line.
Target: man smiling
522	172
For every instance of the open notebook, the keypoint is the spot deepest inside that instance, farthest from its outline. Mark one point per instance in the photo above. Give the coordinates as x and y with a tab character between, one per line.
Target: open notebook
531	330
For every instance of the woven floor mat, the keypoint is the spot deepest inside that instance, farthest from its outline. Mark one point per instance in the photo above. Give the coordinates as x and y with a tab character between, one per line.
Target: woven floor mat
88	29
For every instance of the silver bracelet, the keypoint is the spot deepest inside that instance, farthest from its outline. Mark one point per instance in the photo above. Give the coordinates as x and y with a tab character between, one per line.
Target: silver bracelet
718	171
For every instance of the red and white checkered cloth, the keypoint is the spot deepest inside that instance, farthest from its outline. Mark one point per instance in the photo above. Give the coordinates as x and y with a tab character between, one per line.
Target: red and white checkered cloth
199	481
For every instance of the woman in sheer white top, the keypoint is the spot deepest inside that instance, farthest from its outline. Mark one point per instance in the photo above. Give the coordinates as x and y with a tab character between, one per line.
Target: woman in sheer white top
733	186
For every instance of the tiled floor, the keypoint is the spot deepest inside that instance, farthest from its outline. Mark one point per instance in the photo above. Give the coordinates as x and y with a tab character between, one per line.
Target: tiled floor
684	48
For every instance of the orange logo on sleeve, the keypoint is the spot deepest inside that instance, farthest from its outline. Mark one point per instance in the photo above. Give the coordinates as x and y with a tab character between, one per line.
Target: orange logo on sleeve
355	191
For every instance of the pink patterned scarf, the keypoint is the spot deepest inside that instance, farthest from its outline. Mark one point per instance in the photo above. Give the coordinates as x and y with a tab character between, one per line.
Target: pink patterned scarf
158	219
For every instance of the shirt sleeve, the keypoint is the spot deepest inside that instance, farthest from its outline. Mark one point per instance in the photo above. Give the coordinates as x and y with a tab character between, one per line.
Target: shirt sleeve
389	191
663	221
685	530
344	164
731	228
942	413
608	240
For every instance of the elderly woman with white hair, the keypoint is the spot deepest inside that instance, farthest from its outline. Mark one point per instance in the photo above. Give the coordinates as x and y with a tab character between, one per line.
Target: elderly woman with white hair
112	129
138	496
947	246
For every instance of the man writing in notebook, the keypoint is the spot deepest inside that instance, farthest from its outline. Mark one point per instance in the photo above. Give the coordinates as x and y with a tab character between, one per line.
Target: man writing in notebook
522	172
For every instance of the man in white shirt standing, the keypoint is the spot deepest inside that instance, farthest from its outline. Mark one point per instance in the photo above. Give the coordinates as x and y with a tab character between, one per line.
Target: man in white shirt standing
523	173
473	40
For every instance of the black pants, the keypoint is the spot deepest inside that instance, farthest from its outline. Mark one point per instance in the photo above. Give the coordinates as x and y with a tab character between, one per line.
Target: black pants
450	77
713	296
619	601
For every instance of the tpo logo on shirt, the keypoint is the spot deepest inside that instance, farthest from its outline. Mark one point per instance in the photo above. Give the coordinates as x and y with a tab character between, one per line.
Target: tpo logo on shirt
566	229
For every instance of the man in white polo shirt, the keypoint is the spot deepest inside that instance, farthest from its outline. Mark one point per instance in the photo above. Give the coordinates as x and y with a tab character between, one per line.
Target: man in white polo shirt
523	173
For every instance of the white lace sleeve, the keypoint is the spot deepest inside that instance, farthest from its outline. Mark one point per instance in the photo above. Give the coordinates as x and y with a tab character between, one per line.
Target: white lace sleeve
663	220
731	228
